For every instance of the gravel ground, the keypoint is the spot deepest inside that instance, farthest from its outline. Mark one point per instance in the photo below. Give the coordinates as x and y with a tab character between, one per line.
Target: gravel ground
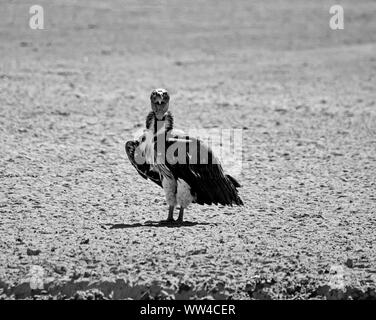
77	221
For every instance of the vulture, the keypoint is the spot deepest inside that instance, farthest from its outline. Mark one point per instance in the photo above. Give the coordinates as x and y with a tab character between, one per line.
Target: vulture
182	165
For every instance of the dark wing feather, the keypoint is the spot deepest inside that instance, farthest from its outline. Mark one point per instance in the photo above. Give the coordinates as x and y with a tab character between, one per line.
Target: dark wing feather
145	170
202	171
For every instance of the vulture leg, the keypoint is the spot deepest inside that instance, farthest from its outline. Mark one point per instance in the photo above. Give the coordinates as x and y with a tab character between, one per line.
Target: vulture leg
181	213
170	218
170	213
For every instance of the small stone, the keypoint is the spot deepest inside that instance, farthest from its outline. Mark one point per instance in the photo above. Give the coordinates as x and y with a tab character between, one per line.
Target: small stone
60	269
349	263
25	44
184	287
85	241
32	252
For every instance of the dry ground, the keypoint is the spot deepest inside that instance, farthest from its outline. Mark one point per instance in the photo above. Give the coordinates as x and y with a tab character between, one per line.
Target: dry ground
72	204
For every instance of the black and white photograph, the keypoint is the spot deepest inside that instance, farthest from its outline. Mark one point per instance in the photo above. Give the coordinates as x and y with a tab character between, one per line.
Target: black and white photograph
196	150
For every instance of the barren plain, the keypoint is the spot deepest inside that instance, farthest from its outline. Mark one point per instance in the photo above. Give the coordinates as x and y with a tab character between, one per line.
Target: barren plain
77	221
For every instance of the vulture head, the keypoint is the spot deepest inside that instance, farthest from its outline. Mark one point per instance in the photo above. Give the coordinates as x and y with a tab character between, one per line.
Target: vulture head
159	100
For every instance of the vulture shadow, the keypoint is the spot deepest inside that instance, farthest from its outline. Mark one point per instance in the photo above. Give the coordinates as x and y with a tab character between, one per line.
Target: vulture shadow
159	224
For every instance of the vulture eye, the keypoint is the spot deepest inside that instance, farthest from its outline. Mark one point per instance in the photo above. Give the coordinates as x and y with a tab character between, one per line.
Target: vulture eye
143	139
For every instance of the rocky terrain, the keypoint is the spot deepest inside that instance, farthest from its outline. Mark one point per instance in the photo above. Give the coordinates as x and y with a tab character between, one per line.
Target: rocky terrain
77	221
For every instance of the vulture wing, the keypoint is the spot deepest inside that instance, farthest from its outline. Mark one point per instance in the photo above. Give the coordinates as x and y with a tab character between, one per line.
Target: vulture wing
144	169
190	159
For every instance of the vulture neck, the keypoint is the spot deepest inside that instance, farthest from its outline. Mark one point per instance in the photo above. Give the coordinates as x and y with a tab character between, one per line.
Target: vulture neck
164	125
